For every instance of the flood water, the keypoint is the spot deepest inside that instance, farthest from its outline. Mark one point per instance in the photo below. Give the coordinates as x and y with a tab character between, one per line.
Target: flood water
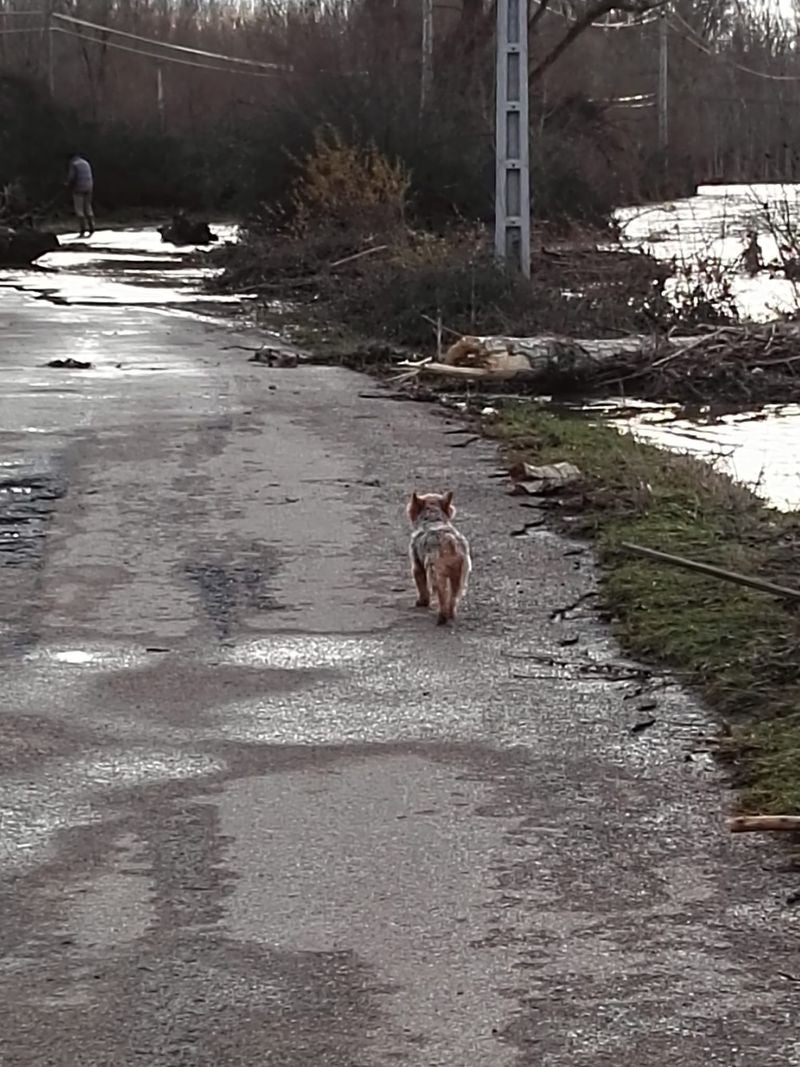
128	267
706	233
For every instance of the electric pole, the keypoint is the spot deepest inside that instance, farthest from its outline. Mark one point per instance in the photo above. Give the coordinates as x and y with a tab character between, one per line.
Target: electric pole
512	228
427	54
663	81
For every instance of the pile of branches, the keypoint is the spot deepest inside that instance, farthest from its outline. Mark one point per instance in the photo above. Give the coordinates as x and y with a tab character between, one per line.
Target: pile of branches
389	287
734	367
745	364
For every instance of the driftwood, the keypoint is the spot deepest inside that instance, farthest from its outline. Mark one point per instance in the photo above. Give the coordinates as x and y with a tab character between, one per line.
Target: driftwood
743	824
715	572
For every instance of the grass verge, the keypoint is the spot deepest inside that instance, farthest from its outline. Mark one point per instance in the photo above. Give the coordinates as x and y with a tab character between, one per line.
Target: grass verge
736	645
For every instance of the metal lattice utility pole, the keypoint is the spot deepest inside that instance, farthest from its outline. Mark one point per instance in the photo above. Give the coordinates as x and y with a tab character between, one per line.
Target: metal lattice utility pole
512	227
427	54
663	81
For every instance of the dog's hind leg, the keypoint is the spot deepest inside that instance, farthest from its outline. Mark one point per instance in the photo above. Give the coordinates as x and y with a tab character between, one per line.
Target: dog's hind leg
457	580
444	594
421	579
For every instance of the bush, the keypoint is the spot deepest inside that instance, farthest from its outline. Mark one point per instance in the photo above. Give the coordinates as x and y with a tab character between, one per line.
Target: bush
343	186
453	277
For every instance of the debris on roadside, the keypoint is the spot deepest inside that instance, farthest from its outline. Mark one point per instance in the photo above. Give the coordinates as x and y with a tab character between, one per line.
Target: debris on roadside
640	727
274	357
537	481
69	364
20	247
741	824
185	231
740	363
525	529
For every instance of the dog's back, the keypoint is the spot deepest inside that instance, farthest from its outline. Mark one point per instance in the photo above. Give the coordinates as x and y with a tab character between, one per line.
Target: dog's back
440	556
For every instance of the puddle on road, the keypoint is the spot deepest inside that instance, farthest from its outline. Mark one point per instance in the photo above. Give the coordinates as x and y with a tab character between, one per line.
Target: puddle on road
27	500
228	590
34	812
101	658
122	268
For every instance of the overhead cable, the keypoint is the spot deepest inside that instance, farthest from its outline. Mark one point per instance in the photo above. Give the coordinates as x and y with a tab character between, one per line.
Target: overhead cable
165	44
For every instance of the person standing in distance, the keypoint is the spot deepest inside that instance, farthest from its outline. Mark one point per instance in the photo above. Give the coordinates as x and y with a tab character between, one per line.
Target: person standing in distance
80	182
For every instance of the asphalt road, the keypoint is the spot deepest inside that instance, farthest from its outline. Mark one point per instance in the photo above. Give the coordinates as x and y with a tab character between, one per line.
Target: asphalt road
256	809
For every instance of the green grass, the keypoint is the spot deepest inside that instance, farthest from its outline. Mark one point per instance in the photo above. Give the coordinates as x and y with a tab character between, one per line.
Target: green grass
739	647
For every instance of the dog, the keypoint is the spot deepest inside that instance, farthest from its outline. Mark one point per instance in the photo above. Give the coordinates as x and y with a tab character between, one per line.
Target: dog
440	557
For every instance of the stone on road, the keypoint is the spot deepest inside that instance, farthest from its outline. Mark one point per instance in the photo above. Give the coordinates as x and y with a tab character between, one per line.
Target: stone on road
257	809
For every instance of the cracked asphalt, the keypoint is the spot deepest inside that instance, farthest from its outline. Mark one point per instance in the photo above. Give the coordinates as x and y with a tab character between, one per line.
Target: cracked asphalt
256	809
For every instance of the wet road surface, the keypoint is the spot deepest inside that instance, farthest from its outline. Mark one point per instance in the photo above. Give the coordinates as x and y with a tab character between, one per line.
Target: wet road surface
257	809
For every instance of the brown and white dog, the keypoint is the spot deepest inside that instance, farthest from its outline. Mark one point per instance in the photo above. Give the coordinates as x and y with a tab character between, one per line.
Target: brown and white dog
440	560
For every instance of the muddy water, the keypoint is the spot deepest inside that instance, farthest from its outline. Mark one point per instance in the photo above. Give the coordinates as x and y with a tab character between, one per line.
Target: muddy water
705	234
758	449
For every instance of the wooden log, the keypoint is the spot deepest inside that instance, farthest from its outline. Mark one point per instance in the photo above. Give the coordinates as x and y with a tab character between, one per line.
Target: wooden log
549	356
760	584
764	823
532	358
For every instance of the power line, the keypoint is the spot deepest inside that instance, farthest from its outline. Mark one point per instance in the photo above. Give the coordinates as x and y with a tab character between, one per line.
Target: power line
704	46
166	44
160	57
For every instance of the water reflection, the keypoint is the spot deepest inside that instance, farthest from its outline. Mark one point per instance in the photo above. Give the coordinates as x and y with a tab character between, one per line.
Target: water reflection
126	268
758	449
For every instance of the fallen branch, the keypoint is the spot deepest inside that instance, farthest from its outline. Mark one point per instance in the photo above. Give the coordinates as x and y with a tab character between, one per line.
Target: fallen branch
743	824
357	255
446	371
445	329
760	584
399	397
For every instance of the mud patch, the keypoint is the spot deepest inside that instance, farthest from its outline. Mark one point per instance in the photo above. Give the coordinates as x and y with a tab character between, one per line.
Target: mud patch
230	588
26	503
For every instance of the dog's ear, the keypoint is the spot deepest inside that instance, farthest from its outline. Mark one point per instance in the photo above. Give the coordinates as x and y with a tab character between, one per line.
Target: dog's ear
447	504
414	506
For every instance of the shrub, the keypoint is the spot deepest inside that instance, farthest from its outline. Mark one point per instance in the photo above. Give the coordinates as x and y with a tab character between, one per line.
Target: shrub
347	187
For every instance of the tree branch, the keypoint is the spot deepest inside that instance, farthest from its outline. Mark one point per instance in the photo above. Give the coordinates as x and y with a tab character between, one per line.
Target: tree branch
584	21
